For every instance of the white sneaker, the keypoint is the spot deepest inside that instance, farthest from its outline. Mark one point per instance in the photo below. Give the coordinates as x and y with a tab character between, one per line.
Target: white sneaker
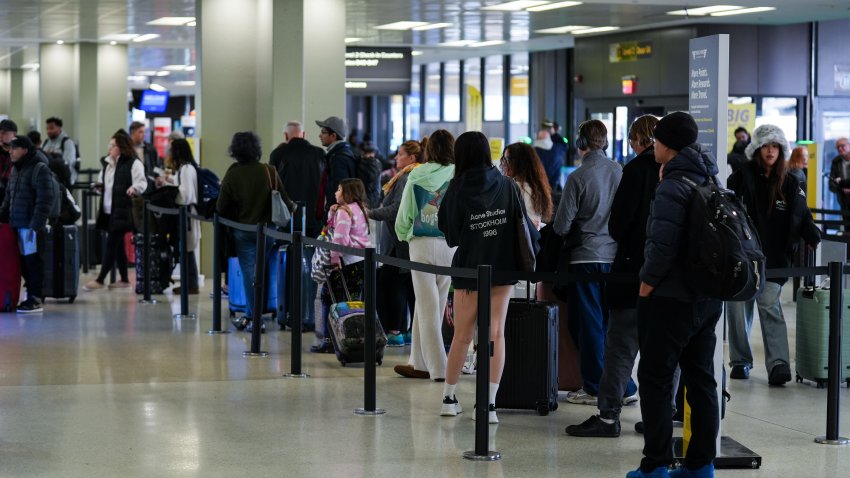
492	419
630	399
469	365
450	408
581	397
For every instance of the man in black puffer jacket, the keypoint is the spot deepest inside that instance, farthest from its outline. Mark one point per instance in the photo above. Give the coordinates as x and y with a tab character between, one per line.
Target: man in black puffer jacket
675	325
26	207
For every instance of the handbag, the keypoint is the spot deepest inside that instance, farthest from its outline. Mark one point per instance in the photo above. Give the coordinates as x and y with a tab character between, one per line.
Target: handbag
526	242
321	262
281	215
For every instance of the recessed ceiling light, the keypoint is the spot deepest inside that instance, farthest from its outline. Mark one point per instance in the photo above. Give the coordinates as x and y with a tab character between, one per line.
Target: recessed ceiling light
352	40
172	21
405	25
175	67
119	37
113	43
146	37
30	66
192	24
432	26
486	43
696	12
146	73
60	42
184	83
515	6
553	6
458	43
415	53
562	30
137	78
163	73
743	11
157	87
595	30
191	68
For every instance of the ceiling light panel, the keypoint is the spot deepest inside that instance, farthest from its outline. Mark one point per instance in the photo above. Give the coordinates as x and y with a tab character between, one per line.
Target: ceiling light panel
171	21
401	26
563	30
553	6
515	6
119	37
146	37
595	30
486	43
352	40
458	43
743	11
432	26
697	12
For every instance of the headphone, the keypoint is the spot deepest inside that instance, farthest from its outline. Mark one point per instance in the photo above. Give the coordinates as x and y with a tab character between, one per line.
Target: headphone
581	139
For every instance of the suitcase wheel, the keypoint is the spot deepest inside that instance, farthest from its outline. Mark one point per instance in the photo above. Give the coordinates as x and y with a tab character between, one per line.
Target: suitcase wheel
553	406
381	362
72	299
343	362
542	409
799	378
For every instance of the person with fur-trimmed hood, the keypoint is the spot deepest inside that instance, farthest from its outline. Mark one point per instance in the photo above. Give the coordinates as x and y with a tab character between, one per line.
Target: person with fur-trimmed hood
776	202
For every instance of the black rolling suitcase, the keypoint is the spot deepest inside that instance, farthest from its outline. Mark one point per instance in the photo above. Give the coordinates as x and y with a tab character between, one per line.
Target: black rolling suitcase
162	263
62	262
346	321
530	378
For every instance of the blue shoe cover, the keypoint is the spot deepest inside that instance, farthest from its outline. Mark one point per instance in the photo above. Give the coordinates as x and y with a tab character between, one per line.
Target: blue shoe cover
706	471
660	472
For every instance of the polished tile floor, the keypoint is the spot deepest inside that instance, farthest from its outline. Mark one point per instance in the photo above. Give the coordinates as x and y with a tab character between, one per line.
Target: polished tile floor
107	387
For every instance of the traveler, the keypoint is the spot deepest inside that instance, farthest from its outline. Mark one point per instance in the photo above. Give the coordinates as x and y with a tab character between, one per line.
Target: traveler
737	158
675	325
550	157
777	205
520	162
122	179
741	134
8	131
840	172
396	299
60	145
416	224
144	150
798	166
340	160
26	206
478	216
300	166
627	225
369	169
181	160
348	225
582	219
245	198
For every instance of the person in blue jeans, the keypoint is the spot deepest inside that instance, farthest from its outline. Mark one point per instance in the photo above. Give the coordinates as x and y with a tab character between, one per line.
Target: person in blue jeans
582	219
245	198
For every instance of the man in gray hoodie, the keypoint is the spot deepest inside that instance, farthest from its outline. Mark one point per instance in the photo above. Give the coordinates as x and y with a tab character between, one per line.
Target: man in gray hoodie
582	219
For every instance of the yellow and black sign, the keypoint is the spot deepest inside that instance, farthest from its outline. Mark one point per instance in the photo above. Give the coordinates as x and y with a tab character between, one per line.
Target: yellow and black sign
629	51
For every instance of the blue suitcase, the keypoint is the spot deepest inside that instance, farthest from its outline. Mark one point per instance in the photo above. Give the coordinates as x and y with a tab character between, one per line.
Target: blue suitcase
237	301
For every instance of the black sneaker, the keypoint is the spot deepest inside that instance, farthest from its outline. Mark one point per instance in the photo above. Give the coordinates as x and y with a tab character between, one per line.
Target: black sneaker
450	408
30	306
741	372
595	427
780	374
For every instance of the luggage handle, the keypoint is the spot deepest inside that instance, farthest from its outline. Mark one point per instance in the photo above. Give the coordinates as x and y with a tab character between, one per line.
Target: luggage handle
344	284
809	261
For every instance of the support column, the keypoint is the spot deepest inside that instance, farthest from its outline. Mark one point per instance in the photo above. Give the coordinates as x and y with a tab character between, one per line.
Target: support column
5	91
58	84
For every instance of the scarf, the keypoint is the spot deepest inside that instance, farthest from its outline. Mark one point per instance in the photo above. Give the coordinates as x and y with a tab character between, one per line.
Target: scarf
410	167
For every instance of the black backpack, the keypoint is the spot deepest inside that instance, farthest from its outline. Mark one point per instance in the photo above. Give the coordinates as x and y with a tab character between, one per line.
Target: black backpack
723	252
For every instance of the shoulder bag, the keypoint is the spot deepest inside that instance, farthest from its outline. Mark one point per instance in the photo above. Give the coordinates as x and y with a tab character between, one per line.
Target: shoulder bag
280	212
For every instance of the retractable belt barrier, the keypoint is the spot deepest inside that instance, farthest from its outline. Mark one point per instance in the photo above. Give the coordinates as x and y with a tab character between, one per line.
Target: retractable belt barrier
485	276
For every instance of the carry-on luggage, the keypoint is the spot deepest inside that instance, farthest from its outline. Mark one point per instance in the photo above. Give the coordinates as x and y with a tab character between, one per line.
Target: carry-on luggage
346	324
10	270
61	256
569	373
812	351
162	263
530	377
236	298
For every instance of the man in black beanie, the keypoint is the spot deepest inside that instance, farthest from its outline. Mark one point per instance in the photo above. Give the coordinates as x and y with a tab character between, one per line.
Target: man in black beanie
675	324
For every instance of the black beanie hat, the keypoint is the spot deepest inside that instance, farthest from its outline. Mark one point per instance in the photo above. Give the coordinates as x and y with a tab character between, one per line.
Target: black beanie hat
677	130
21	141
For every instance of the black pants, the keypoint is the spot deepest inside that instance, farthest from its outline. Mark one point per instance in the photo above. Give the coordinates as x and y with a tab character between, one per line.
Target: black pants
396	297
114	255
675	332
32	270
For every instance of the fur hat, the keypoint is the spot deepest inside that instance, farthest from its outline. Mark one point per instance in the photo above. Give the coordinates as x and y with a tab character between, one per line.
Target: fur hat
677	130
766	134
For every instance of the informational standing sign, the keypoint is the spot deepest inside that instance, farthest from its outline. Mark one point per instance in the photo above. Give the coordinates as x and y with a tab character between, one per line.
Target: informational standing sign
708	97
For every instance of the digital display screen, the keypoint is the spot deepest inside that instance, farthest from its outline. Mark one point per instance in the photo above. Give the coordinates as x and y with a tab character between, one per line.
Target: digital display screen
154	101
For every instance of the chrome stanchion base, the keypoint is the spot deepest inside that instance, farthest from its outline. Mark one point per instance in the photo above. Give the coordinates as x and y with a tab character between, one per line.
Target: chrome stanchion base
490	456
369	413
249	354
152	301
185	317
840	441
217	332
296	375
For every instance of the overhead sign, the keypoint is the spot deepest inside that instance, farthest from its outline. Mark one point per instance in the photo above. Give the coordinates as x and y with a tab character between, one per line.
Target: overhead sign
377	71
629	51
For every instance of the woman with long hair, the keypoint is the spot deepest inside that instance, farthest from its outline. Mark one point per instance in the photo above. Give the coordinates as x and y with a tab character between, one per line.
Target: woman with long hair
478	217
777	206
416	224
397	299
798	165
520	162
121	179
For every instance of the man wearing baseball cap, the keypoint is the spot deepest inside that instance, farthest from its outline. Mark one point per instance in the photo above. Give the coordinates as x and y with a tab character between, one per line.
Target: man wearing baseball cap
675	325
340	162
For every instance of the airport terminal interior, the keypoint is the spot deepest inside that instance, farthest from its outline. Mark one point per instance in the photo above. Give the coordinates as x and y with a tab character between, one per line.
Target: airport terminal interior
108	386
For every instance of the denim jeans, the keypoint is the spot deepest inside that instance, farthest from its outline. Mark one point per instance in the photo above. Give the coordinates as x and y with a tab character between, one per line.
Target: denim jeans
621	348
246	251
679	332
32	270
588	320
773	330
308	290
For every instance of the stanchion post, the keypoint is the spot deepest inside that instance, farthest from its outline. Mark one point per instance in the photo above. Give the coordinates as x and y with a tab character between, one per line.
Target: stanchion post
833	396
183	250
369	352
296	306
482	375
85	231
216	278
146	256
259	306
